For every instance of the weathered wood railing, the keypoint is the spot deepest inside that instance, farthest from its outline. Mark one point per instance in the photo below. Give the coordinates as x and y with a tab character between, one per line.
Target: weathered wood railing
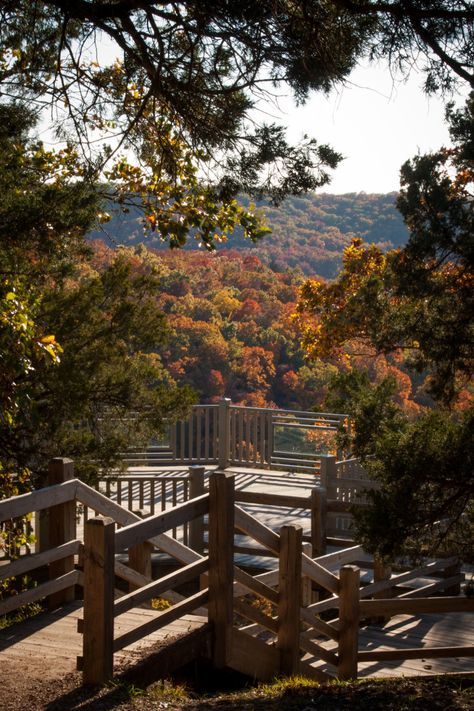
339	486
227	434
298	641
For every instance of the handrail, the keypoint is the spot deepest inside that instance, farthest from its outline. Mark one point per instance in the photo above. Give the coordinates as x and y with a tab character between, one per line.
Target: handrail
145	529
63	582
37	500
35	560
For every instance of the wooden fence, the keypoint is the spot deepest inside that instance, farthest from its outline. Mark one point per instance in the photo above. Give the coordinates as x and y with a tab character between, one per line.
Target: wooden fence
297	639
226	434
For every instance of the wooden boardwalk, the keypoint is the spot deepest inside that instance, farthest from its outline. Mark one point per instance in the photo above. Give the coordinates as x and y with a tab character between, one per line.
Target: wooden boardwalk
51	640
405	632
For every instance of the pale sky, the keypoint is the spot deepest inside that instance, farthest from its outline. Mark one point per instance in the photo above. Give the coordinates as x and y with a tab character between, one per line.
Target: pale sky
375	123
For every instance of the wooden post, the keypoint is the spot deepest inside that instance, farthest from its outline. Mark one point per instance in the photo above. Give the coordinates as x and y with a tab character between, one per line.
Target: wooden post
221	563
348	621
61	528
448	572
291	538
319	513
328	474
382	571
196	488
224	433
139	556
98	637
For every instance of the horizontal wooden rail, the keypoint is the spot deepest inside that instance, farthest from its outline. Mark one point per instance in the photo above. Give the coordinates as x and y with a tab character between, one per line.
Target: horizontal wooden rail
268	499
415	606
145	529
53	586
157	587
381	655
395	580
163	619
36	560
17	506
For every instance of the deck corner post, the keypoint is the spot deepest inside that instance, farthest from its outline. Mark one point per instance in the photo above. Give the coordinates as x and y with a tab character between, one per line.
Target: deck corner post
328	473
58	527
196	488
319	512
221	564
290	594
224	433
139	556
449	571
349	614
98	639
382	572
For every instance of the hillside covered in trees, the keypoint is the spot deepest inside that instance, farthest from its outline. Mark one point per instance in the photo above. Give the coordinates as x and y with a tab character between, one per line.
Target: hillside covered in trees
309	232
233	330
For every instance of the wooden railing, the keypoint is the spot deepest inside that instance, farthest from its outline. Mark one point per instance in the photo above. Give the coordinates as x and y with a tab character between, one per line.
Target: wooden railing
339	487
227	434
225	592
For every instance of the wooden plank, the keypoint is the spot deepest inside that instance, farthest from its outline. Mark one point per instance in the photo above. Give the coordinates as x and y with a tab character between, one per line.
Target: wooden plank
162	619
156	587
41	591
221	563
416	606
244	609
348	555
105	506
98	600
348	622
381	655
395	580
319	574
175	548
310	672
268	499
433	587
253	657
319	625
317	650
246	523
255	585
143	530
30	562
289	586
17	506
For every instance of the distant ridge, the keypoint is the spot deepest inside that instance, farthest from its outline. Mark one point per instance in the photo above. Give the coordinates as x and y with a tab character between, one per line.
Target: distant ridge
309	231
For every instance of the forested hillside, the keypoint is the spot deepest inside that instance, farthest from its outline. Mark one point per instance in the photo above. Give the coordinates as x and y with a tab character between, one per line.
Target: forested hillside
308	232
233	331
